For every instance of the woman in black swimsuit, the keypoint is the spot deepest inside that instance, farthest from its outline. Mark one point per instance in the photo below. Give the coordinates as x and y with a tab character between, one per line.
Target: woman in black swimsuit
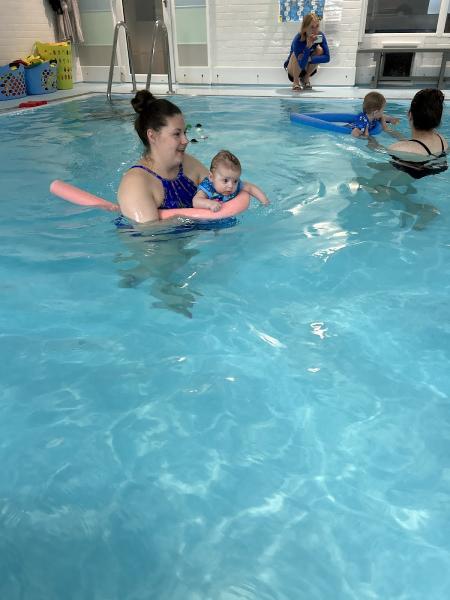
425	153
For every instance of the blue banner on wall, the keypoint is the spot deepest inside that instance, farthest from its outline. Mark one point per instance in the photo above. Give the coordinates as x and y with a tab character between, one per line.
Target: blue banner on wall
295	10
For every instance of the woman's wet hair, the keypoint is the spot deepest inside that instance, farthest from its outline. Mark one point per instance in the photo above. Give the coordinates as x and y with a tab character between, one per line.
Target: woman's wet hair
152	113
426	109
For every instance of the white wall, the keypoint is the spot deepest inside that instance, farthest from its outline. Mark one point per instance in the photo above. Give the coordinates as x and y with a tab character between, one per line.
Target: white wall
248	45
21	24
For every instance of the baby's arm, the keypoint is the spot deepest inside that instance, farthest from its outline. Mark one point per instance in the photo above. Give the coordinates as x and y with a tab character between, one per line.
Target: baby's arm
392	120
385	119
357	132
201	200
255	191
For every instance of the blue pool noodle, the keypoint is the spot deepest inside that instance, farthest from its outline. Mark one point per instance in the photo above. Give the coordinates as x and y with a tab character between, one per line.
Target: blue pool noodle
327	121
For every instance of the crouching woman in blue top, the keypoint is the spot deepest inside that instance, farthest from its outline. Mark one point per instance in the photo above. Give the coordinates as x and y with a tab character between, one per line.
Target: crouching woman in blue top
224	183
309	48
166	176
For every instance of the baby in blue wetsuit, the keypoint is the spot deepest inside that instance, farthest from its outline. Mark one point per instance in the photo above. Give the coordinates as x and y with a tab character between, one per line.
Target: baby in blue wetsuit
372	112
224	183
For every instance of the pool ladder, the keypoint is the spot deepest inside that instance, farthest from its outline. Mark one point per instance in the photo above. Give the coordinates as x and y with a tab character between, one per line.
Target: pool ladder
157	27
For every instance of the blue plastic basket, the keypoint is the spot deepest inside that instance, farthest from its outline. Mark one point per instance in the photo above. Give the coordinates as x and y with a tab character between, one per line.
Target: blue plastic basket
12	82
41	79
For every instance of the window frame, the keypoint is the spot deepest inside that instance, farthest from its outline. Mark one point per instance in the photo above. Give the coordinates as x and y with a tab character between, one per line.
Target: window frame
442	18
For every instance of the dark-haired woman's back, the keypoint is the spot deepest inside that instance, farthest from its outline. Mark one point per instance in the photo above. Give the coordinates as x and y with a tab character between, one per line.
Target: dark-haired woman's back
424	115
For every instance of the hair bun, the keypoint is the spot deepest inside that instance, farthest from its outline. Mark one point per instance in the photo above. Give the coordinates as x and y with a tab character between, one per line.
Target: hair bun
142	101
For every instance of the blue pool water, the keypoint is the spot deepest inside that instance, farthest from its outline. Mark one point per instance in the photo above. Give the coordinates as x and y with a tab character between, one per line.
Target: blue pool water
257	412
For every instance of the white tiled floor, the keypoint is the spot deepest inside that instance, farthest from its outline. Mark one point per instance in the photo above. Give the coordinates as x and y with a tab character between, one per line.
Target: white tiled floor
81	89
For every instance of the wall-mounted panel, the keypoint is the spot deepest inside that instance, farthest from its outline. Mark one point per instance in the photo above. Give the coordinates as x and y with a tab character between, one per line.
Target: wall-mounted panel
98	28
190	3
93	56
94	5
193	55
191	25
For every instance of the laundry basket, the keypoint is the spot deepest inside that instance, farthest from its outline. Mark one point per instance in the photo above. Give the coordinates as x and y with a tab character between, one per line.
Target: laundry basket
12	82
62	52
41	78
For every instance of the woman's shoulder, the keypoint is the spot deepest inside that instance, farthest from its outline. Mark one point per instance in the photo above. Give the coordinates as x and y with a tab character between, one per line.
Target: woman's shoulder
297	39
408	150
444	141
139	195
190	160
137	175
194	169
136	183
416	151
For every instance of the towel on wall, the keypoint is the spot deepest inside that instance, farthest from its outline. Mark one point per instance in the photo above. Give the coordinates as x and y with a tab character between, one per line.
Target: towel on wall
68	22
295	10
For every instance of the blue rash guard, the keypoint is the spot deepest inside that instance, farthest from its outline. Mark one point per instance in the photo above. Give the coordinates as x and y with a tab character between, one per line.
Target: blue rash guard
207	187
299	47
178	192
362	121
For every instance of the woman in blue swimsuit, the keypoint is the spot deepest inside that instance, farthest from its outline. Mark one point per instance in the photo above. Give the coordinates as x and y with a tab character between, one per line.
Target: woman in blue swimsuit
165	177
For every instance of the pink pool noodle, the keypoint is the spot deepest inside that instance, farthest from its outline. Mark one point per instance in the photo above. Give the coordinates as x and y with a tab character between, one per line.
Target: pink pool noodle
77	196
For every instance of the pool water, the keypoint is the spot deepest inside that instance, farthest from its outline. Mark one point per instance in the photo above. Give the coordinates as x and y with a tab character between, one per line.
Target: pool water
254	412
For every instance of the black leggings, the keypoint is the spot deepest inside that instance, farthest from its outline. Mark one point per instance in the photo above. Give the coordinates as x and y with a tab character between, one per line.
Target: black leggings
302	74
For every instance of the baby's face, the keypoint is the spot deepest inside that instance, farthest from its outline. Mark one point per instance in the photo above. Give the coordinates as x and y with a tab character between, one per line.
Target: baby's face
224	179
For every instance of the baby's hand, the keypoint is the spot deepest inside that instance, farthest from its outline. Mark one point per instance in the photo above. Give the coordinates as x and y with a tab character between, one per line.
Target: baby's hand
357	132
394	120
214	205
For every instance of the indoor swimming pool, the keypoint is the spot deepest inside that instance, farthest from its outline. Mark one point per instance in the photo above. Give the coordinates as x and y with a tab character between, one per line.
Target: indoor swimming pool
258	411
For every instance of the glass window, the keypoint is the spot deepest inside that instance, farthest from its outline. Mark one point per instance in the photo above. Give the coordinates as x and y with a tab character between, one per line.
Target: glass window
447	22
402	16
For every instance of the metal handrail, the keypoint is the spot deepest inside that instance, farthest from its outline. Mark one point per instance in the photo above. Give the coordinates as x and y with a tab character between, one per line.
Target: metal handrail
113	58
159	24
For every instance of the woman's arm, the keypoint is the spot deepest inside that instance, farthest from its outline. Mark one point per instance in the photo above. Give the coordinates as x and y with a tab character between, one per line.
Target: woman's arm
303	52
137	197
322	58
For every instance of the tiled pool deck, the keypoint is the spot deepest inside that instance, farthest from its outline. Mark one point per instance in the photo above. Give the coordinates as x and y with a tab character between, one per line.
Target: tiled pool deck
81	89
